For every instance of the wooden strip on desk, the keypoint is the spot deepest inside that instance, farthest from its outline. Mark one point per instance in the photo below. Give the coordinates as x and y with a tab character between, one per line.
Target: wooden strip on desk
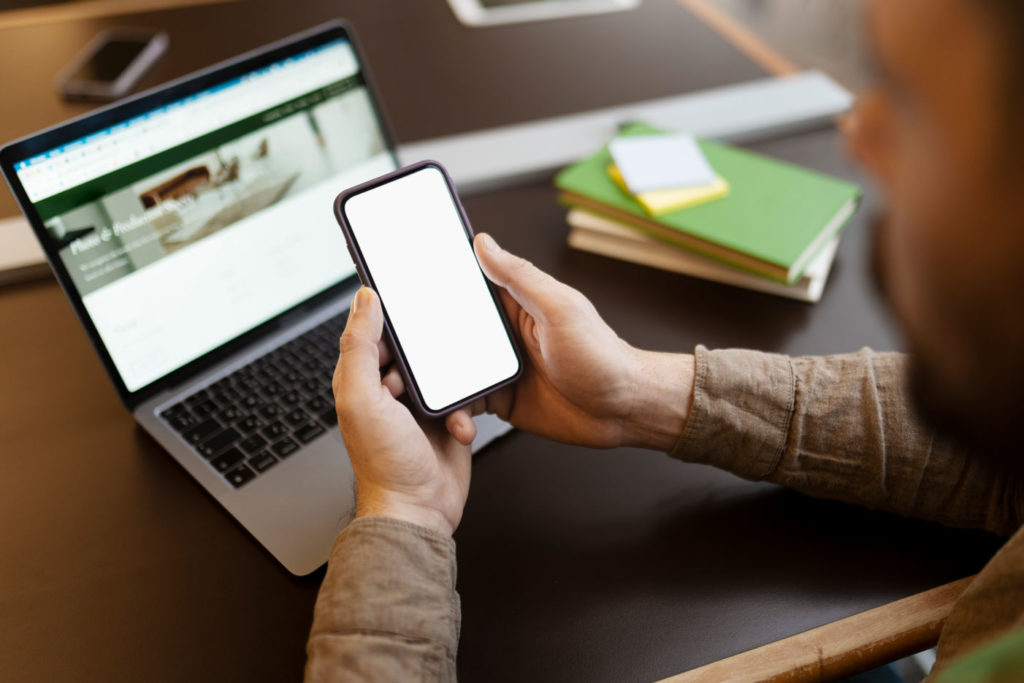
843	648
741	37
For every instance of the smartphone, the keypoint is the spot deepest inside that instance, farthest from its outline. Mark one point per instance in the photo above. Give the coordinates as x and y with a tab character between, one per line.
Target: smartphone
411	242
112	64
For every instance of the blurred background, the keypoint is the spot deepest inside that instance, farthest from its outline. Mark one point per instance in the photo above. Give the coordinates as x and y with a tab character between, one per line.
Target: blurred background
810	33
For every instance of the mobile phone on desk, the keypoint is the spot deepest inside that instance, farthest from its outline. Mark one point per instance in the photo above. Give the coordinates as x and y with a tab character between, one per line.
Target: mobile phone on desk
412	243
112	64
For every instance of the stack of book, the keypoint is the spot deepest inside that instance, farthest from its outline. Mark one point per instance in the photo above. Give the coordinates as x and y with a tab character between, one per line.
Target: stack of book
760	223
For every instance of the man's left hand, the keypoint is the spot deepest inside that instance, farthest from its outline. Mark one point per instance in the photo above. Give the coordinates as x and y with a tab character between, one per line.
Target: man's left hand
417	471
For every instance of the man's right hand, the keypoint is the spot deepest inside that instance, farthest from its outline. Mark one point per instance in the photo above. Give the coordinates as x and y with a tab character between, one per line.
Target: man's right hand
582	384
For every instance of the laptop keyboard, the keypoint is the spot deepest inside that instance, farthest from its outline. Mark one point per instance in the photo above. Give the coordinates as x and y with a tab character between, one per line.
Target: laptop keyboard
264	412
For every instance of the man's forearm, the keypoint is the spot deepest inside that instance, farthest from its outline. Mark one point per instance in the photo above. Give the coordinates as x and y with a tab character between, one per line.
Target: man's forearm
839	427
387	609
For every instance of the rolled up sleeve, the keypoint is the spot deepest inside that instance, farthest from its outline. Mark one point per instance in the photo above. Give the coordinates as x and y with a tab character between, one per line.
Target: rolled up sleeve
388	609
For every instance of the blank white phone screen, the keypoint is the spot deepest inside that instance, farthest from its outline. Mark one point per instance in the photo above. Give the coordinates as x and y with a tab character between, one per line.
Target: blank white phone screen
422	265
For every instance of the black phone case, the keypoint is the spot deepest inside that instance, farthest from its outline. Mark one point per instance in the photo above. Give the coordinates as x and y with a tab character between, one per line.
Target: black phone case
412	388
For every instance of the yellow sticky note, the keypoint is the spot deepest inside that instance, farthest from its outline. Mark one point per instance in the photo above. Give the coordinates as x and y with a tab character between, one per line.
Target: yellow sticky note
657	202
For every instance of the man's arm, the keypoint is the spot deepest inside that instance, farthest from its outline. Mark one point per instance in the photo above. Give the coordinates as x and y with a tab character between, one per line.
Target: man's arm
839	427
387	609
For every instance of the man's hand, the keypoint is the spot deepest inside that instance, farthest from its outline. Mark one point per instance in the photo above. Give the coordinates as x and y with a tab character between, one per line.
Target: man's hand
417	472
582	384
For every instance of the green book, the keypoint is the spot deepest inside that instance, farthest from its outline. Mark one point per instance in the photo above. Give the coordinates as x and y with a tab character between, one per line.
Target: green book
775	220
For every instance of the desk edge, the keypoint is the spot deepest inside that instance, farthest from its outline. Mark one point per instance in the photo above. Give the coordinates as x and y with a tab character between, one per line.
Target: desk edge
842	648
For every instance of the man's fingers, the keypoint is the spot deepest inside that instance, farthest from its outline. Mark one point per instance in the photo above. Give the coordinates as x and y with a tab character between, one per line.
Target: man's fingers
384	351
359	363
500	402
393	381
512	307
461	426
537	292
478	407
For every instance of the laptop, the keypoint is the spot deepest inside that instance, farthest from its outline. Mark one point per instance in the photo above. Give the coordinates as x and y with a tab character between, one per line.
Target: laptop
191	228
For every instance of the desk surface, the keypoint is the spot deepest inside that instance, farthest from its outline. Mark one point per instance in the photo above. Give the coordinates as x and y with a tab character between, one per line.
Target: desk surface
573	564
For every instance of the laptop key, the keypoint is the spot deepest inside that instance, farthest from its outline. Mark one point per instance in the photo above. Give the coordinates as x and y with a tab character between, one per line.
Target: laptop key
228	459
309	431
218	399
229	414
274	430
201	431
270	411
240	476
272	389
183	421
176	409
285	447
249	423
252	444
218	442
317	405
204	408
262	461
329	417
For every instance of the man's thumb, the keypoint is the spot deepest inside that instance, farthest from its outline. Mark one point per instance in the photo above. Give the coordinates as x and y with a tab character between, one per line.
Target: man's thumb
360	357
532	288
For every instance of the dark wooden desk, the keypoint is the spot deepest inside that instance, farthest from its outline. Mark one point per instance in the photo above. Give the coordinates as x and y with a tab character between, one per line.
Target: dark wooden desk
574	564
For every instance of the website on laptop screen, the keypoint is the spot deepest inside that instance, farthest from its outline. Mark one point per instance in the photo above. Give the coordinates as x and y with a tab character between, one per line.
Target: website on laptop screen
191	224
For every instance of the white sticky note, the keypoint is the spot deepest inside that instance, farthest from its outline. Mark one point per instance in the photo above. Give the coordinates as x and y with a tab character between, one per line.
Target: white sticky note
660	162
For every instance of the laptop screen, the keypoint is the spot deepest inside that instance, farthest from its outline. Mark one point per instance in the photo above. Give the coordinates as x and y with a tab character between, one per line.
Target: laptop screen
187	225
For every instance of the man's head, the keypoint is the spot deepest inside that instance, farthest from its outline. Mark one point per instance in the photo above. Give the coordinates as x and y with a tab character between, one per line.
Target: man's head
942	132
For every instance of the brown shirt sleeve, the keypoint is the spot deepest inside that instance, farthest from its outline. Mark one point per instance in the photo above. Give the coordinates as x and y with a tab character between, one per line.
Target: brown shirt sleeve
387	609
839	427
